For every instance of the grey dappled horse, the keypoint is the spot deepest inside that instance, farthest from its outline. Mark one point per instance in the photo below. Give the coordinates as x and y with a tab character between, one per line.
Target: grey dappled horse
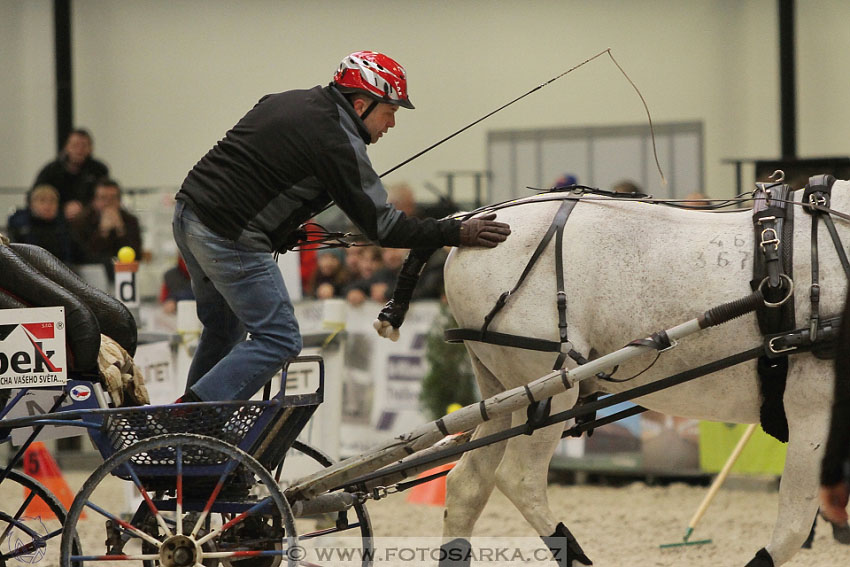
631	269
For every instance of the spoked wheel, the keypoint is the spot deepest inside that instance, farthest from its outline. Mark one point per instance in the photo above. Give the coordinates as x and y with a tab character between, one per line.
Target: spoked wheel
30	522
204	502
344	536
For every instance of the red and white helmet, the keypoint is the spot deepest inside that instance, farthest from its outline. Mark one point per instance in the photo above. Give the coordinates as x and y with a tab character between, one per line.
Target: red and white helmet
374	74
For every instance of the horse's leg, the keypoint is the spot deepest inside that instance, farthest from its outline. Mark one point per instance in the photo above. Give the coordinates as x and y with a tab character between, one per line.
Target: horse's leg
522	476
471	481
807	404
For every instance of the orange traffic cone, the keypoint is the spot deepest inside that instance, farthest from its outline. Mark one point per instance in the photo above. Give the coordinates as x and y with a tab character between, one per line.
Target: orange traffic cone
432	492
39	464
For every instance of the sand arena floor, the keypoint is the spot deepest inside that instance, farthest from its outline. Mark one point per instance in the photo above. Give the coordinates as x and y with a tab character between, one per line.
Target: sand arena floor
617	526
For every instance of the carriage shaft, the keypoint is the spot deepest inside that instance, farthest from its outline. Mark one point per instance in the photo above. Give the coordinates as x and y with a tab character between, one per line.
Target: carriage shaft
505	403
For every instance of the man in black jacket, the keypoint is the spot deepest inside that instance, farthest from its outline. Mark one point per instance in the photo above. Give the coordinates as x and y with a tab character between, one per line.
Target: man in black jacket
294	153
73	173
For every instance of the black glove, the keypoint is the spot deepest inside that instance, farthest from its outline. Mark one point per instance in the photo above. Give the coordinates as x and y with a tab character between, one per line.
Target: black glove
483	231
392	315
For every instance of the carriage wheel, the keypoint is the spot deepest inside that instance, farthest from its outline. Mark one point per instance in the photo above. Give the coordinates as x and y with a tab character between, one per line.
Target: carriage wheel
350	529
215	504
30	521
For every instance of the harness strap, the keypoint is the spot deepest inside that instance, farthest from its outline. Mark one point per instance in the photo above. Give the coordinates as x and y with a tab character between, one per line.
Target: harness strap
506	339
821	342
836	240
557	226
561	297
773	224
556	229
816	198
818	192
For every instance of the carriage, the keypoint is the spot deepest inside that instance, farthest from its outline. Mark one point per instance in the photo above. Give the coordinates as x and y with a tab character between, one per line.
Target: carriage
208	473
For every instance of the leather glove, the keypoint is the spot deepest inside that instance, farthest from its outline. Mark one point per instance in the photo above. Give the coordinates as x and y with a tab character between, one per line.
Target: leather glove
390	319
483	231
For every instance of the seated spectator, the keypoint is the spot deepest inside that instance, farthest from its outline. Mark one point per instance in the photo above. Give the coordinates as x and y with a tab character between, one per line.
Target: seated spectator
431	284
330	277
565	180
104	227
369	262
176	286
383	282
401	197
696	199
41	224
74	173
628	187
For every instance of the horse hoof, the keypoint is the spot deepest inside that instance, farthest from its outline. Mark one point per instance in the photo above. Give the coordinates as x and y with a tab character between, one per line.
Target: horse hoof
762	559
841	533
565	549
455	553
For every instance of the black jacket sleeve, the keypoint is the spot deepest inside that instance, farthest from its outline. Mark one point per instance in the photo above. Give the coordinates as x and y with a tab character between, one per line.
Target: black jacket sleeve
357	190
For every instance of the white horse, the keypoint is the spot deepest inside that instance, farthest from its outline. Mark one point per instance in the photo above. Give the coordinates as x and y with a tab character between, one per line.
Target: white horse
632	269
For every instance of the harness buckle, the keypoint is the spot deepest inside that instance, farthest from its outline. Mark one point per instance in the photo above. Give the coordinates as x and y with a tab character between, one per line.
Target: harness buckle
765	241
814	293
774	350
818	199
562	299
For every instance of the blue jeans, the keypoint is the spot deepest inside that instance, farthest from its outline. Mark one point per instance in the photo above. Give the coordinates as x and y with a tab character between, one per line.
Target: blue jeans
238	290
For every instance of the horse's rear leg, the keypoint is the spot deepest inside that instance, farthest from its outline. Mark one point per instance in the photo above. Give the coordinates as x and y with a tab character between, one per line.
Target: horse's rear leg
798	491
471	481
523	477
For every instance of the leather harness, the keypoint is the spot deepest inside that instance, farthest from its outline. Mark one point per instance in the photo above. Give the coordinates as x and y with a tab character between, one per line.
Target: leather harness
563	346
772	273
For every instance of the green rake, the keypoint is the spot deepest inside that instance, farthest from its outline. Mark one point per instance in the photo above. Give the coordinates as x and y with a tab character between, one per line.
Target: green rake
715	486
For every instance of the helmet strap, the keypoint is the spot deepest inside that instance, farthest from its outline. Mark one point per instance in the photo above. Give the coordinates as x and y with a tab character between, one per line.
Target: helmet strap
368	110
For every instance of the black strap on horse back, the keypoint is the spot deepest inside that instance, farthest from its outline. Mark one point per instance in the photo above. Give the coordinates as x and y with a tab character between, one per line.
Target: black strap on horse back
556	228
773	221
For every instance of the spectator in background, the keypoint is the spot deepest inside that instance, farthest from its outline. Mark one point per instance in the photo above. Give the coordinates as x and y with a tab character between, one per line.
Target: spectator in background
628	187
401	197
565	180
73	173
696	199
383	282
176	286
431	284
104	227
369	262
331	276
41	224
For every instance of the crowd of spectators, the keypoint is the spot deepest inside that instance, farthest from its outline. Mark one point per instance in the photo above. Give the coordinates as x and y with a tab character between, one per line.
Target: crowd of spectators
364	272
74	210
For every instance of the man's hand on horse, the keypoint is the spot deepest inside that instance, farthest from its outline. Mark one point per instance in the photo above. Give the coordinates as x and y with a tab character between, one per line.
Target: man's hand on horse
483	231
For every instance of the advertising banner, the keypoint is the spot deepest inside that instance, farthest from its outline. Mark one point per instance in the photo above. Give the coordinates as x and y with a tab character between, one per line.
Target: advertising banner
32	347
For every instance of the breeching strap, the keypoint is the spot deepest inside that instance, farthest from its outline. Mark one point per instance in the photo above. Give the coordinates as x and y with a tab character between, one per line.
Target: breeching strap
484	335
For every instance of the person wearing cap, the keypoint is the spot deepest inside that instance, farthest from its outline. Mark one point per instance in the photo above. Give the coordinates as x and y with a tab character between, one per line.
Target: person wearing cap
289	157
